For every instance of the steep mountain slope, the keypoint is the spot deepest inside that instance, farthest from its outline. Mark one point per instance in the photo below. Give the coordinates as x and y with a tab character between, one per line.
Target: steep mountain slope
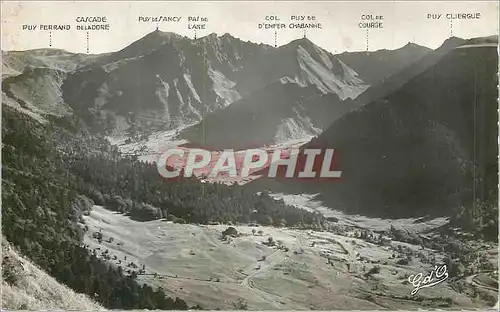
416	151
165	81
39	89
372	66
14	62
389	84
256	119
32	80
145	45
280	112
42	209
26	287
305	95
306	64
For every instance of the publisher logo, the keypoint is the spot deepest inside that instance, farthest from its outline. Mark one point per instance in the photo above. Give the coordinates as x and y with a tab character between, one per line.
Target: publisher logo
436	276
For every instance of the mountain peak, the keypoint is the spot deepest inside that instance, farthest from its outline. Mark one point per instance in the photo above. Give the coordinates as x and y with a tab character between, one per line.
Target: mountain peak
160	34
150	42
411	45
210	37
228	36
154	40
303	42
452	42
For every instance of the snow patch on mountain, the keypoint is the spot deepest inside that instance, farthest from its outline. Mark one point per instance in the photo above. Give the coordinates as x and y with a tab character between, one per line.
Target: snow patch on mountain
324	57
223	87
162	94
187	77
188	113
179	96
182	58
285	80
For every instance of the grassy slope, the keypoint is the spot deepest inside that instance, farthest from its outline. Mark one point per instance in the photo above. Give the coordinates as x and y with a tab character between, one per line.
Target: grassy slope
33	289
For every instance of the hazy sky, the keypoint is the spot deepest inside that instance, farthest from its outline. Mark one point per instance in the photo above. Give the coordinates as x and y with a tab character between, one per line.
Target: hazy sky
403	22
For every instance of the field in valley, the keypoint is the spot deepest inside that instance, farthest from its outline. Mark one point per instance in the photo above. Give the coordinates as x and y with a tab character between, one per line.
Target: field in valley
311	270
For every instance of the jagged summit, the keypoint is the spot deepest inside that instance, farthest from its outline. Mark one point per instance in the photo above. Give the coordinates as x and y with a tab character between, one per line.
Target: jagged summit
181	79
214	36
227	38
211	36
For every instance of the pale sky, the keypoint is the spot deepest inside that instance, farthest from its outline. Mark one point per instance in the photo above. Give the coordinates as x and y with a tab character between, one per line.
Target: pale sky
403	22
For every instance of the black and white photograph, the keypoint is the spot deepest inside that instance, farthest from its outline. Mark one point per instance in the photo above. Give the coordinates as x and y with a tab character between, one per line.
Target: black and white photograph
249	155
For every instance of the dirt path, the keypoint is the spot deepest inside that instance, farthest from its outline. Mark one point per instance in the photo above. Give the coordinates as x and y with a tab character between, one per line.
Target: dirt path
470	280
271	260
233	275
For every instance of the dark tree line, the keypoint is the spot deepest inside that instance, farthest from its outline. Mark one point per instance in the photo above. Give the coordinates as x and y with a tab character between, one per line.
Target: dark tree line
40	217
48	171
122	183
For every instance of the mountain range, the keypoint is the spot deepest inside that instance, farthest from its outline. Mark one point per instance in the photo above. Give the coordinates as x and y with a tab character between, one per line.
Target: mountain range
415	134
405	150
427	145
164	81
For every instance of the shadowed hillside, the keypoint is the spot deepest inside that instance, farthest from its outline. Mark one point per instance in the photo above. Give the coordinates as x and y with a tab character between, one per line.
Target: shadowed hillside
427	148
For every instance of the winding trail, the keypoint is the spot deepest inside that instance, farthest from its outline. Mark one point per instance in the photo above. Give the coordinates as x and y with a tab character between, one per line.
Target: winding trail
271	260
470	280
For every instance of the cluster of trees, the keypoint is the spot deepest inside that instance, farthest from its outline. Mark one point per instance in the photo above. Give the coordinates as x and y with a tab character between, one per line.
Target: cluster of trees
126	185
480	219
40	211
54	172
135	188
88	274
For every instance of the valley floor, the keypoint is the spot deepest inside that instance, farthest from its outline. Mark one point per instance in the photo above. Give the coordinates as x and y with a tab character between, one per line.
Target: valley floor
316	270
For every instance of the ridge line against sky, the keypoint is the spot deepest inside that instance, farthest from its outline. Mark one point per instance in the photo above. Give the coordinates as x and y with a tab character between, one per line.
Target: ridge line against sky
403	21
219	35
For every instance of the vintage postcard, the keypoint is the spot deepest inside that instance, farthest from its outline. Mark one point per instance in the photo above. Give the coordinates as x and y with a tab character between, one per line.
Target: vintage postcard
250	155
